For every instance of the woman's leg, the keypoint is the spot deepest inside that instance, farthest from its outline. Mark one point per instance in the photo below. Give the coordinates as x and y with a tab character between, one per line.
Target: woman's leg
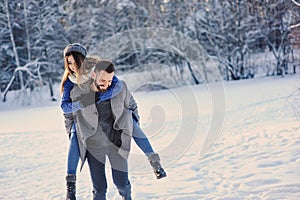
141	139
73	158
73	154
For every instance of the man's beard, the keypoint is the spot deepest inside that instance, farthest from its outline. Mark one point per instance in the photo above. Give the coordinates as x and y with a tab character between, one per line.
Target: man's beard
99	87
102	90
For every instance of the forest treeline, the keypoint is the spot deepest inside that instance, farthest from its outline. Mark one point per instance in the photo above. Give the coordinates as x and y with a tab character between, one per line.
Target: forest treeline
136	33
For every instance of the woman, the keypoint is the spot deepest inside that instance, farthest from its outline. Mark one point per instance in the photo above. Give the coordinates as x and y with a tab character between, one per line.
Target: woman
74	57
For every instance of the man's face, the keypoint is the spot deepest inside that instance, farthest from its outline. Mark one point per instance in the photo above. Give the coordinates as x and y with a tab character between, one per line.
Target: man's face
102	80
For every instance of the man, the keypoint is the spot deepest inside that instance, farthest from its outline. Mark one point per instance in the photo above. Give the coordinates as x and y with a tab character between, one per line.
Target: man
105	129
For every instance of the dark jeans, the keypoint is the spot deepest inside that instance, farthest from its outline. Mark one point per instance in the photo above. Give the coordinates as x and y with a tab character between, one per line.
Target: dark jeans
119	169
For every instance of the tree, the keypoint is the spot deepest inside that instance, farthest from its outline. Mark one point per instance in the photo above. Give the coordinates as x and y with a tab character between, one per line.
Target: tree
222	27
32	36
275	28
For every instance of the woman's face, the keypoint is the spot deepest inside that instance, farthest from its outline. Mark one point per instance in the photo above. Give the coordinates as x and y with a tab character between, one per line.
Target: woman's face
71	63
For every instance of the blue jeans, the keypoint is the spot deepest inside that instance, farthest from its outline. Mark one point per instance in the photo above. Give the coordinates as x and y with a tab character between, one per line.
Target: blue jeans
141	139
119	169
73	156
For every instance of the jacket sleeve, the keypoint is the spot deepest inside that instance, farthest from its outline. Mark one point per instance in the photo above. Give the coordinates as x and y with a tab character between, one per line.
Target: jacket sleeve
132	105
66	103
134	108
69	121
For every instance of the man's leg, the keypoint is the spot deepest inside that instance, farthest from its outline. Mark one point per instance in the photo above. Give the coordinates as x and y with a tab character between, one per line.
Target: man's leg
97	172
120	174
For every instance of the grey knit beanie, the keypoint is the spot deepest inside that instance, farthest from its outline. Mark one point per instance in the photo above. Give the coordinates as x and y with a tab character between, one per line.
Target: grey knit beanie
75	47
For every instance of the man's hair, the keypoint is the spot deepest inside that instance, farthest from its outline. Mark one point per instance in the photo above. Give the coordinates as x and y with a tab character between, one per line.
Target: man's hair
105	65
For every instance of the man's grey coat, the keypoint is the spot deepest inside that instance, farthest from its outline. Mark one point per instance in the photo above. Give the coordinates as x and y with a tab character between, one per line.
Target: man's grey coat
123	107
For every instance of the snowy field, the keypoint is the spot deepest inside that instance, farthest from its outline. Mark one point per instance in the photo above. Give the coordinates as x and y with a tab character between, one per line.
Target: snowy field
242	142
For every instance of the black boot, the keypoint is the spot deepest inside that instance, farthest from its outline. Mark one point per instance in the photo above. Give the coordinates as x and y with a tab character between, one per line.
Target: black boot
127	198
71	187
155	163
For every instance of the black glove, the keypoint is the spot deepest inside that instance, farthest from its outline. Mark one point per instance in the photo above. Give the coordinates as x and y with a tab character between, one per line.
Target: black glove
87	99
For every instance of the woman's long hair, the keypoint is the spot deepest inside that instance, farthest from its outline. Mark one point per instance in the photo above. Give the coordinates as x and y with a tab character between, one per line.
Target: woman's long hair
78	58
83	67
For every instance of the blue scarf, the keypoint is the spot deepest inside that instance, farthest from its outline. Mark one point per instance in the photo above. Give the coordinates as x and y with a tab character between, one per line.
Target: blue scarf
113	90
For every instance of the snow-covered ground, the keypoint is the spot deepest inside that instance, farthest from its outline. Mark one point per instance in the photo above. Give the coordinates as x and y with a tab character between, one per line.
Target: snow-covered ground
237	142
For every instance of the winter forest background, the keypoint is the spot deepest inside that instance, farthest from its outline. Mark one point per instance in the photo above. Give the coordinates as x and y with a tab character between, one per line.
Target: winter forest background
167	43
219	135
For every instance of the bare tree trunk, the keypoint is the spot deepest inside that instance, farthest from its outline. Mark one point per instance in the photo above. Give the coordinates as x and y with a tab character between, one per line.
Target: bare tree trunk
0	91
14	47
197	82
8	86
134	46
27	32
51	89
